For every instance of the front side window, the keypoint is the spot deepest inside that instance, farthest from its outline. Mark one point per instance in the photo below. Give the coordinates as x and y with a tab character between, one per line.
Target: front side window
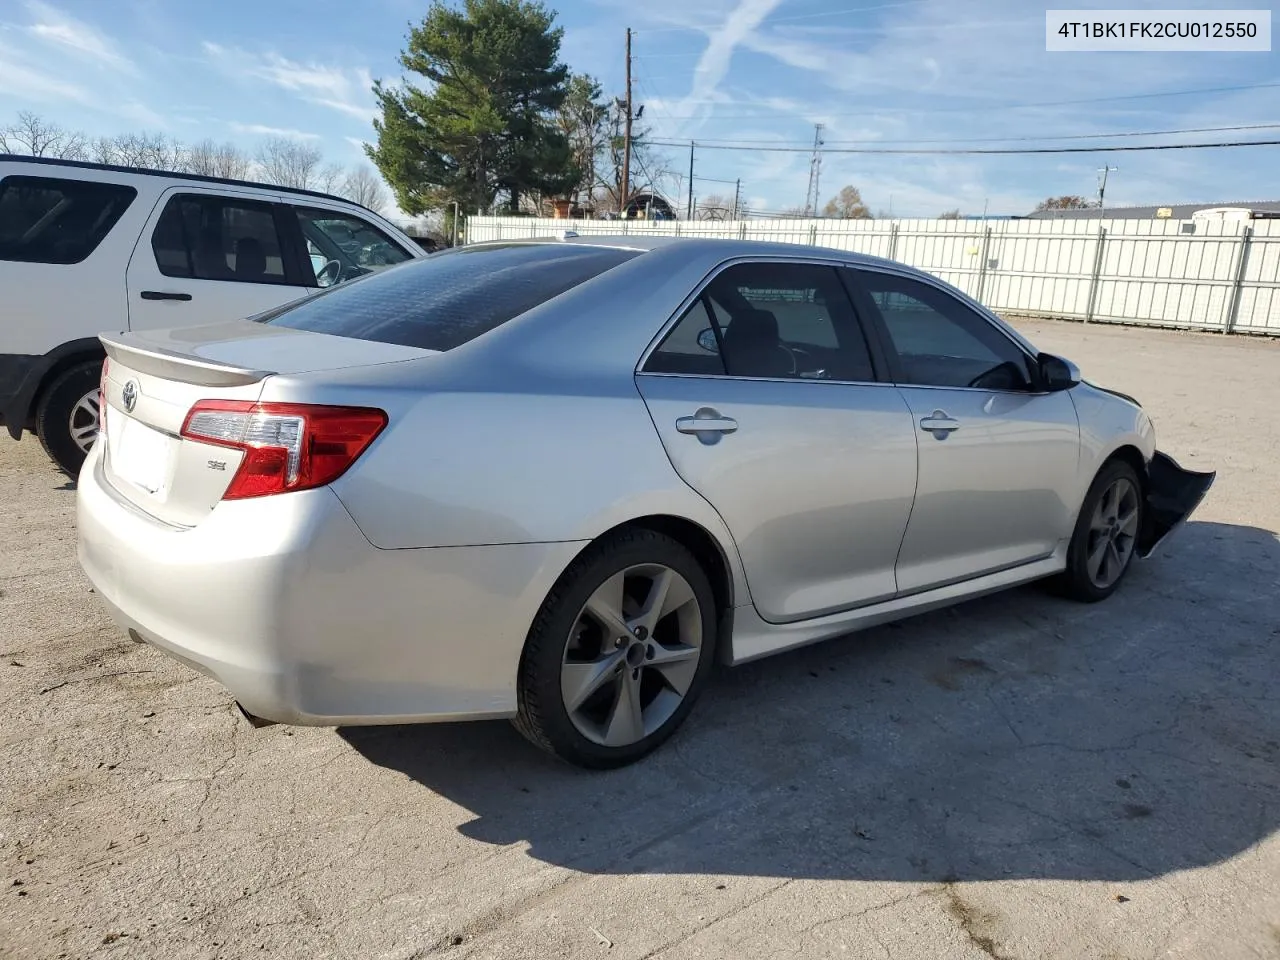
788	320
939	341
441	302
48	220
343	247
218	238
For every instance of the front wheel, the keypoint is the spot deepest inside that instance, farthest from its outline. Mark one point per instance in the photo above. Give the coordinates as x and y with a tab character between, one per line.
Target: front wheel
67	416
619	651
1106	534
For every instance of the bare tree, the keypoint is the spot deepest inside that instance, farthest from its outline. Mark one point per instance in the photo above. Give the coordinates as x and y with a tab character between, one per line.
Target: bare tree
583	119
330	178
713	207
232	162
210	159
364	186
289	163
151	151
34	136
950	214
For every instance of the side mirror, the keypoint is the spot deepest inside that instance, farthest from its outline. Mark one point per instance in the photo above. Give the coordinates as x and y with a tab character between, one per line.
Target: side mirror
1057	373
708	342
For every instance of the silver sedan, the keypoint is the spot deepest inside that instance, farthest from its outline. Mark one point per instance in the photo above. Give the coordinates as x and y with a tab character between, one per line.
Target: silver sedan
556	481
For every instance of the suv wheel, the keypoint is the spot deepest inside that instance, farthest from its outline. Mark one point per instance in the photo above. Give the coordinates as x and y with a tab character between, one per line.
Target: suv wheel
67	416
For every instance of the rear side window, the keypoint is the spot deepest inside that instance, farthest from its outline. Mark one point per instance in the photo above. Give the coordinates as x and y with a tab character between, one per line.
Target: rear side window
441	302
218	238
45	220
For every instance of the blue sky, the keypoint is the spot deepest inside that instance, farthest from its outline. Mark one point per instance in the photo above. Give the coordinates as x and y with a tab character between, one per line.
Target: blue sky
888	71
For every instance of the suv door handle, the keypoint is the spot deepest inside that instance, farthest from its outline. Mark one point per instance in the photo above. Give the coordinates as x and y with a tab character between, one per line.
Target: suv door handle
164	295
939	424
707	425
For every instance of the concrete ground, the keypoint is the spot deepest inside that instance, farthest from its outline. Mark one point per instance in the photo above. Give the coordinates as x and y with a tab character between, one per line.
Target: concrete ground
1020	777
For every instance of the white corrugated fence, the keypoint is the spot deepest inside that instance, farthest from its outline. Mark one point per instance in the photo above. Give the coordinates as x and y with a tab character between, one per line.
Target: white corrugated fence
1195	274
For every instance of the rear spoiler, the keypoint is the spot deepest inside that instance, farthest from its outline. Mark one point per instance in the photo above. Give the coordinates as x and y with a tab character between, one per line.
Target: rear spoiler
173	365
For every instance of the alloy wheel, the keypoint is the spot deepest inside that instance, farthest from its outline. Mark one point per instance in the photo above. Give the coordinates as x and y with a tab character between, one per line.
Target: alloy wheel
83	422
1113	533
632	654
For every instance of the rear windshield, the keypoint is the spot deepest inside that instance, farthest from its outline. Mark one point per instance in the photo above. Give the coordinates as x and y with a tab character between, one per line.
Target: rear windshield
442	301
48	220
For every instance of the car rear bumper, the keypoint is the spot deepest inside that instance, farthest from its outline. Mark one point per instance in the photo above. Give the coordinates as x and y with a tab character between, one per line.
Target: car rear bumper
285	603
1173	493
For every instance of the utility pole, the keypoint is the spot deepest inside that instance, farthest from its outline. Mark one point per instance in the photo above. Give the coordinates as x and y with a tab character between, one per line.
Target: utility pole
689	215
815	166
1102	183
737	194
626	140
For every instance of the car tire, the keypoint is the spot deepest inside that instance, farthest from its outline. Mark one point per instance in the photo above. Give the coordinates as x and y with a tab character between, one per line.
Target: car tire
664	669
1106	535
67	409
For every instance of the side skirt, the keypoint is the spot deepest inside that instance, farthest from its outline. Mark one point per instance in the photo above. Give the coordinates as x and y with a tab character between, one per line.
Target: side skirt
754	638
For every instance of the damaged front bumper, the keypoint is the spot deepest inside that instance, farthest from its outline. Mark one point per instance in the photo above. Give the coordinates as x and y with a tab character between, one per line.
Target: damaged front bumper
1173	493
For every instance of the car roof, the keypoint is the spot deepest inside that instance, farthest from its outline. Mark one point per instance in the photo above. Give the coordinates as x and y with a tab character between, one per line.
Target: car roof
712	246
692	257
170	174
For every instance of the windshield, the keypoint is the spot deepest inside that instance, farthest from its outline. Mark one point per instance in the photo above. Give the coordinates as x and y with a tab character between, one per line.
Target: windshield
442	301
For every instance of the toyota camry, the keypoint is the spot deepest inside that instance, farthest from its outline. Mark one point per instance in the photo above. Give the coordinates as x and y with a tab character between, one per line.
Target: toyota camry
559	480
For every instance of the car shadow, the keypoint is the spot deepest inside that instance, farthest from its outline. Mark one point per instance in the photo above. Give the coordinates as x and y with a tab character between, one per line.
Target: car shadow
1015	736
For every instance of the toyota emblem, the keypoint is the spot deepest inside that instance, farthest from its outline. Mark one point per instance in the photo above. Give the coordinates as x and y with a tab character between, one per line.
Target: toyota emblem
130	395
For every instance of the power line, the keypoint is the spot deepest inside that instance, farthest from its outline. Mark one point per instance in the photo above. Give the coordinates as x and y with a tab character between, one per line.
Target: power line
1006	151
803	16
1044	137
998	106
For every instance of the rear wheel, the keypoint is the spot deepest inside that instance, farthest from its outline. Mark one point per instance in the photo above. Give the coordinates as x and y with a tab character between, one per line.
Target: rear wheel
1106	534
67	416
619	651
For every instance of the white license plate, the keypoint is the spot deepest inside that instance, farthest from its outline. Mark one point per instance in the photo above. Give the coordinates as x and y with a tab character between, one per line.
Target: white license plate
140	455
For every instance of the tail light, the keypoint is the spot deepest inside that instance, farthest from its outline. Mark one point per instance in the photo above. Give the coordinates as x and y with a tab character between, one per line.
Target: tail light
102	398
287	446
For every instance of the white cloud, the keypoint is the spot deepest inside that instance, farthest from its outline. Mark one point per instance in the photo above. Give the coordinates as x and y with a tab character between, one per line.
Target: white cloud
738	27
55	27
261	130
20	83
346	90
140	113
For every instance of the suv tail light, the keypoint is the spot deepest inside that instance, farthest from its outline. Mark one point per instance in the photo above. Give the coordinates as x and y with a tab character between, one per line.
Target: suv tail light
287	446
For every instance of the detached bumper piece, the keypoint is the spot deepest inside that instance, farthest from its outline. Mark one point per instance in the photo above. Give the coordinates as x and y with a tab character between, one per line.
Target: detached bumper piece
1173	493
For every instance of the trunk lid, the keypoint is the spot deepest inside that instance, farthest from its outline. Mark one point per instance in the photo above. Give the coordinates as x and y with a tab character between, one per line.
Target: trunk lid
153	379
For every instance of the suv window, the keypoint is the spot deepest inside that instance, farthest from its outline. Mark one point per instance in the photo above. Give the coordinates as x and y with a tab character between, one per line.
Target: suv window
357	247
46	220
441	302
941	342
219	238
769	320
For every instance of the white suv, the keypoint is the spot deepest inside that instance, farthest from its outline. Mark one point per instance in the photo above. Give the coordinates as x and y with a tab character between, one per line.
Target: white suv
87	248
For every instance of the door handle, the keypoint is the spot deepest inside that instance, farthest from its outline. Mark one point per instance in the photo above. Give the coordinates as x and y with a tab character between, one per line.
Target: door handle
164	295
707	425
939	424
